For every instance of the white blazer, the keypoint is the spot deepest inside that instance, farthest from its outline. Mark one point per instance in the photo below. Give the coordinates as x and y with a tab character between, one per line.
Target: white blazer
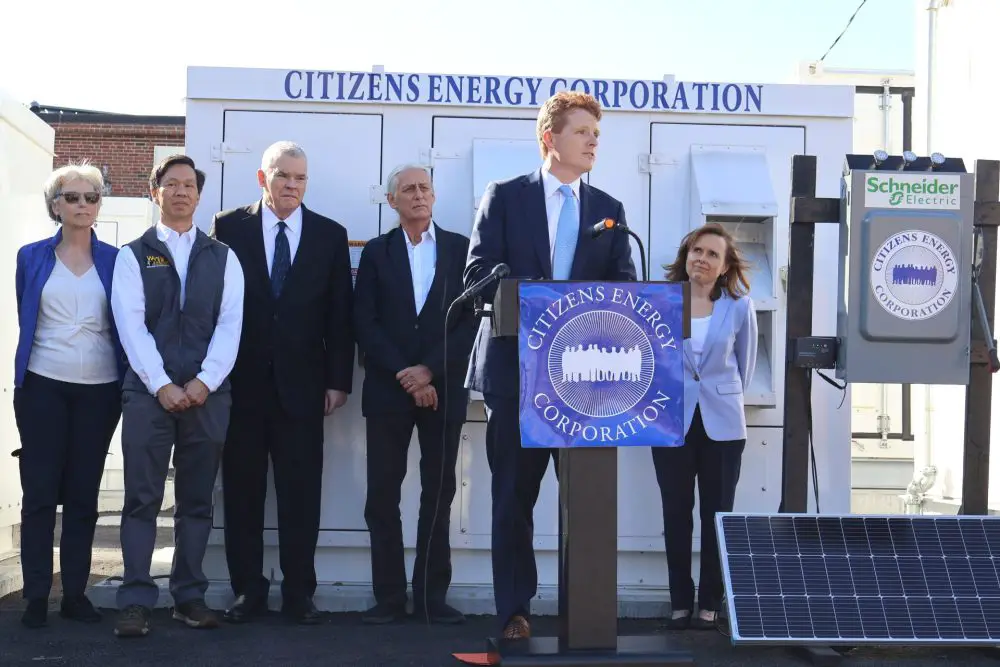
728	357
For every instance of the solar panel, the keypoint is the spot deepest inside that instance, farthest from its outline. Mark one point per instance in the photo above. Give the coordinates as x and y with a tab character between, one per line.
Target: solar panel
818	579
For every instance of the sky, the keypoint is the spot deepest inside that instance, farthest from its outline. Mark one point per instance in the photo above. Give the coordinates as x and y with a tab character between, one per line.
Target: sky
134	58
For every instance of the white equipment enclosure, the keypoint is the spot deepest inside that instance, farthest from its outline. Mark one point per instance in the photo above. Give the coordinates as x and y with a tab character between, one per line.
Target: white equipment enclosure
677	154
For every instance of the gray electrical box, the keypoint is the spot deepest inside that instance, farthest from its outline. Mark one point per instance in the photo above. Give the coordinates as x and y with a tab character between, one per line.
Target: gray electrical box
904	313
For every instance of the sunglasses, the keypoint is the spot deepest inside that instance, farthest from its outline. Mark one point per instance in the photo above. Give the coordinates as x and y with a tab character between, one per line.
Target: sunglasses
74	197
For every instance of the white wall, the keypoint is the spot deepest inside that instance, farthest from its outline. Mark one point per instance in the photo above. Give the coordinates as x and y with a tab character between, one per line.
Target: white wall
26	150
963	124
121	220
868	116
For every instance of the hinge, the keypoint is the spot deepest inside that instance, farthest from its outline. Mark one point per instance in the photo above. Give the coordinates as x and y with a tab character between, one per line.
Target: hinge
429	155
220	151
650	160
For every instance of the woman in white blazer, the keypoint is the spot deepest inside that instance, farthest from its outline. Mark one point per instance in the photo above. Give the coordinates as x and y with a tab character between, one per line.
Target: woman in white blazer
718	366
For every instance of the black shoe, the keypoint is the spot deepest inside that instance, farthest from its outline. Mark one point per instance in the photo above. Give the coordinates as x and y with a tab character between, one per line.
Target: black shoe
699	623
439	612
37	613
196	614
680	622
382	613
79	608
245	609
303	613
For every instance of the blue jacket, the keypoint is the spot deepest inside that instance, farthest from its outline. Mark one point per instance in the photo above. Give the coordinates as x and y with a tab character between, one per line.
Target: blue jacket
35	262
728	361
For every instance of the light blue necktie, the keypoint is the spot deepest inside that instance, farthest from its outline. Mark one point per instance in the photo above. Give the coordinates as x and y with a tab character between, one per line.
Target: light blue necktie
566	235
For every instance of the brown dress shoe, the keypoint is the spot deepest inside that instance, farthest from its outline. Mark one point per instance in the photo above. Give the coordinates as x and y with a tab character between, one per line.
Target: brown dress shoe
517	628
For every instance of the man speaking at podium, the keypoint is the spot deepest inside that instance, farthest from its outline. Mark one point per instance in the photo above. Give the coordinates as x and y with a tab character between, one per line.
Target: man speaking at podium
539	225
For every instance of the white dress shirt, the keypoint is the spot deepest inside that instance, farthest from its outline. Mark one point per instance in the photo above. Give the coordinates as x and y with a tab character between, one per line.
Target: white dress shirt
293	232
554	202
128	302
72	340
423	259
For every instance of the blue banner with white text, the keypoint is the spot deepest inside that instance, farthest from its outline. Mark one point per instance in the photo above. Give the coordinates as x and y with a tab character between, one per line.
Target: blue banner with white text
601	364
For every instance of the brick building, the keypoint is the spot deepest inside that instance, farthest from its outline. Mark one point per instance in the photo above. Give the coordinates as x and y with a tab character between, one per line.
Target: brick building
125	147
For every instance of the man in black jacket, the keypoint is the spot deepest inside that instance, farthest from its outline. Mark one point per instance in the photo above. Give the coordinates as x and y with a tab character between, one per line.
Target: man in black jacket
295	367
415	366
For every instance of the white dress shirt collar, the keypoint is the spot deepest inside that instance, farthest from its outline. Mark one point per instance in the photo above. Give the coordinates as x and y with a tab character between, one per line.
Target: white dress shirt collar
168	235
552	184
429	233
270	220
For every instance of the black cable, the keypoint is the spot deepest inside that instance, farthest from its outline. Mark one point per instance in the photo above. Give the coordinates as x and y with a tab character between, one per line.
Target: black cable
812	441
849	21
443	406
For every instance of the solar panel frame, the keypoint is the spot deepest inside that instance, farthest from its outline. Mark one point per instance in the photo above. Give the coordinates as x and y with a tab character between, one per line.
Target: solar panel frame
933	615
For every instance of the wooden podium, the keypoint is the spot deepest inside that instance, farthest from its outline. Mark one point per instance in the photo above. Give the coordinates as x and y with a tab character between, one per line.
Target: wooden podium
588	518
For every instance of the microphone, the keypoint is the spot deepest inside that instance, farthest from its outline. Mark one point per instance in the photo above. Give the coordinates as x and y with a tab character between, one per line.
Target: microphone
499	271
605	225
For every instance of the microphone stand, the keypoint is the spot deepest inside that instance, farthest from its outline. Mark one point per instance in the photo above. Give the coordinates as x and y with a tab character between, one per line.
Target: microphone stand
642	250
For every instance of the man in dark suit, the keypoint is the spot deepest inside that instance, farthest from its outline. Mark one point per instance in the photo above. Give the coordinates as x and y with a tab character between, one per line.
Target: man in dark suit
415	364
539	225
295	367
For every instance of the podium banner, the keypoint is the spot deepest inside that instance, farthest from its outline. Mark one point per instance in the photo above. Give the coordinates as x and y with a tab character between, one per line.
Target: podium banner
601	364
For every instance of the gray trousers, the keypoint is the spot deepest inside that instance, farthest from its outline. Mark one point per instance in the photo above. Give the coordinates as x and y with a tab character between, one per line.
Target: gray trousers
149	433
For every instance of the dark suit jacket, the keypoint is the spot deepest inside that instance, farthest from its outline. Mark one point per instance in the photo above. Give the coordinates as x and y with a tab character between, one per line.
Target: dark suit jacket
512	227
304	339
393	336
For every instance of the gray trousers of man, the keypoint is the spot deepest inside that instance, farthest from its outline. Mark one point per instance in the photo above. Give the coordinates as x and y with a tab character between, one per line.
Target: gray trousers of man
149	434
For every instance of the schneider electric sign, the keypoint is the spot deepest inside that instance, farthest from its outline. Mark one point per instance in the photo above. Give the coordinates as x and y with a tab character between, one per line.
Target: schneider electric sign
928	191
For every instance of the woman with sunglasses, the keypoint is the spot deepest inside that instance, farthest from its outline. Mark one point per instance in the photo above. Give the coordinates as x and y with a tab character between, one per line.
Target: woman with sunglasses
67	401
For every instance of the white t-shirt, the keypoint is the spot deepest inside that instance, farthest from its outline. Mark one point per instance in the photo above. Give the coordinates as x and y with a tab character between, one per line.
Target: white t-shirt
699	329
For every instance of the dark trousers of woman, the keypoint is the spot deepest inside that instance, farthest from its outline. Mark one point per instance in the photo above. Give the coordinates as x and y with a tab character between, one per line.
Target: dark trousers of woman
65	429
716	465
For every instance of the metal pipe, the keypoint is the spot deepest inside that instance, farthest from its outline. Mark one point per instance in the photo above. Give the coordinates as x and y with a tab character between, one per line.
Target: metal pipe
932	7
907	122
886	106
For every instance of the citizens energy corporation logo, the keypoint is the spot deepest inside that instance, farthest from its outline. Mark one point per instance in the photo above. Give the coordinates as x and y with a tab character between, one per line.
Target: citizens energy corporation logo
914	275
597	348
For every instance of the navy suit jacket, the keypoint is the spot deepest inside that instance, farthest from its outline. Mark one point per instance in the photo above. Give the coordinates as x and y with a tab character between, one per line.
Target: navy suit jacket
392	335
511	227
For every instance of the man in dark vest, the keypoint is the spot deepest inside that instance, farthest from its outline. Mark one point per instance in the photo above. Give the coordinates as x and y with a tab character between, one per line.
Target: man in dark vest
177	298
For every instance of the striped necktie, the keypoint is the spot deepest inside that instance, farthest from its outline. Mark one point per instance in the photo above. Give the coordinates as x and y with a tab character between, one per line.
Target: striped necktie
282	260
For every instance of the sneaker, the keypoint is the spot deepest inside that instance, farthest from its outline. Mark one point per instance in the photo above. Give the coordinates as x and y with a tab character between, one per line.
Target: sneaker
36	614
79	608
382	614
196	614
133	621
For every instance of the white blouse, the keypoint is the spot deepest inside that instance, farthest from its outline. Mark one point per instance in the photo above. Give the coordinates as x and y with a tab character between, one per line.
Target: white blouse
699	329
72	340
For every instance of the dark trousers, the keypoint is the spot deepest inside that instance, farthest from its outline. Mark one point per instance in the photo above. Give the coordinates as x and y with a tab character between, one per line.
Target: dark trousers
517	475
295	448
65	430
388	443
150	435
716	465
